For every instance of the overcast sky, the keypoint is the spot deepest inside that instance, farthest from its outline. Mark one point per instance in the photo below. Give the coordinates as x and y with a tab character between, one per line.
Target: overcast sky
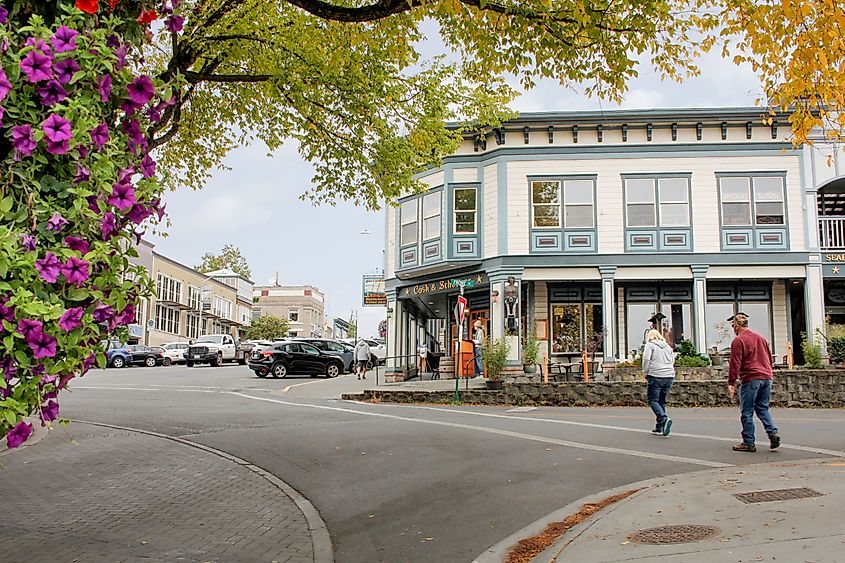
256	206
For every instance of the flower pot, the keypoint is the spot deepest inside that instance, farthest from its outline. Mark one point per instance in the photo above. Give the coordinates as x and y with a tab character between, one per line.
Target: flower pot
530	368
494	384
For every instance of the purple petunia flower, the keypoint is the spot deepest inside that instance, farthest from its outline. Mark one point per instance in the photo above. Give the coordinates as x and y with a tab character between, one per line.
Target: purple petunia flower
78	244
82	174
57	147
7	312
104	87
23	139
64	39
9	368
50	411
56	128
100	135
28	242
108	228
43	345
52	93
120	52
38	370
48	267
37	66
88	362
2	114
30	327
148	166
123	196
4	15
127	316
174	23
65	69
71	319
83	151
103	313
141	90
56	222
75	271
138	213
4	45
112	41
39	45
18	434
65	379
5	85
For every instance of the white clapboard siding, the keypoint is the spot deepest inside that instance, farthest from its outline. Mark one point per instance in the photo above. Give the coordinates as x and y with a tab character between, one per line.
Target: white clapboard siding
490	213
779	319
465	175
390	241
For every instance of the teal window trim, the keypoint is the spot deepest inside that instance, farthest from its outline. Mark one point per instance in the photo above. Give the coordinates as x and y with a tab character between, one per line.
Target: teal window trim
757	233
454	238
657	232
563	233
418	253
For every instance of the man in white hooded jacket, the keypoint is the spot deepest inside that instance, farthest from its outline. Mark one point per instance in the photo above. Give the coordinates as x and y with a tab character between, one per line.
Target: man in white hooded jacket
659	369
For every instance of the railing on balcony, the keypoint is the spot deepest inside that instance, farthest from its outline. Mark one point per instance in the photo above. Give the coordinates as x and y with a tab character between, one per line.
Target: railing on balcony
832	233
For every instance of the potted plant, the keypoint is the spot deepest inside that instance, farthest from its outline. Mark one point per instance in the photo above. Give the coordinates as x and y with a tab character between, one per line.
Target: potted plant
530	351
495	356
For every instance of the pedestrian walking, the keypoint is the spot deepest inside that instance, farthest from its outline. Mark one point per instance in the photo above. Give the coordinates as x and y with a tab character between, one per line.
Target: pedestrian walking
362	356
477	345
751	363
659	370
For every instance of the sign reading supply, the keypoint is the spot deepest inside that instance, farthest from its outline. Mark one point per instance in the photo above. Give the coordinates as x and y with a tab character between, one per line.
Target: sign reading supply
374	295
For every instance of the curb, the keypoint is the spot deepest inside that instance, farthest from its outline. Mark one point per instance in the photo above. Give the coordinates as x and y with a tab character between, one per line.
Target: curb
497	553
38	434
320	539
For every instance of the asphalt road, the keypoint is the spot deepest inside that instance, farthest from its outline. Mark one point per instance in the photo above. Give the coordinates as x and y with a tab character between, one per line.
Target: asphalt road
427	483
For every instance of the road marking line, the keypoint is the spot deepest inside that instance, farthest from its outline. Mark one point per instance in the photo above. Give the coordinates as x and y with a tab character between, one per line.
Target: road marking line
522	409
520	435
834	453
292	385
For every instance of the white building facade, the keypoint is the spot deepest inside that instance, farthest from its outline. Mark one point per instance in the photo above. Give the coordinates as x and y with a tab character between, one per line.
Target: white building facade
578	227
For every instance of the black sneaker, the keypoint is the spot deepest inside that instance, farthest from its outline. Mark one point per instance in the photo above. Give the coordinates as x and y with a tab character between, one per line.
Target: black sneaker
745	448
774	442
657	431
668	427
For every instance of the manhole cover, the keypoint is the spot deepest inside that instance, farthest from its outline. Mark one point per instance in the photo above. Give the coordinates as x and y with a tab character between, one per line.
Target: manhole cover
777	494
681	533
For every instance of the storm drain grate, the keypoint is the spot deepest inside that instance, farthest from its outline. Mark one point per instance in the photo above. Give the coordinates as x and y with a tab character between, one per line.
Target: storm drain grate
680	533
777	494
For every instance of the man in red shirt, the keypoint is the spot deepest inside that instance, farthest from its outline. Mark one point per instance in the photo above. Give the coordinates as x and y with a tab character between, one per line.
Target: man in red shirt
751	363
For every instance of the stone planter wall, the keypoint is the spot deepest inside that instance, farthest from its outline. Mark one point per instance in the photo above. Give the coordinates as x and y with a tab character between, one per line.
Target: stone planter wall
681	374
793	388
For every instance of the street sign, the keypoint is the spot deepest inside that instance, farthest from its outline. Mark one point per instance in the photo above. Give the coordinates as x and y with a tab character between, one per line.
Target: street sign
460	309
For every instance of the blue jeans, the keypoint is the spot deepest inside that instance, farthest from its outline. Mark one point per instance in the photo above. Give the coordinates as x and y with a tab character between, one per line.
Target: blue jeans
658	390
754	397
479	366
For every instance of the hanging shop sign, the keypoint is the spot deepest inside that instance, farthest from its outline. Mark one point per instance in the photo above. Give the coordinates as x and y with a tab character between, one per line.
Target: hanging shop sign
446	285
373	291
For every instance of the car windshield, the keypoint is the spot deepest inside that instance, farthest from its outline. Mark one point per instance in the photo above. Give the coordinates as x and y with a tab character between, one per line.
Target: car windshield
208	339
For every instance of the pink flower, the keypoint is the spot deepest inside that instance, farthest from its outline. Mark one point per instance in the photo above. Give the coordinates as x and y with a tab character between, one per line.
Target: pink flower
71	319
56	222
18	434
37	66
28	242
75	271
48	267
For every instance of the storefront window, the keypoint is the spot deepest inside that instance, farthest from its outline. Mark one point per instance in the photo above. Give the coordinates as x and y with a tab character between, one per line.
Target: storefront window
637	324
576	327
719	331
677	326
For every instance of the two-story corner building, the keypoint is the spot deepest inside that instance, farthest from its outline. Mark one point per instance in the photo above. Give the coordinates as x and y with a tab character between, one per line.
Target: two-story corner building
579	226
302	305
188	304
244	293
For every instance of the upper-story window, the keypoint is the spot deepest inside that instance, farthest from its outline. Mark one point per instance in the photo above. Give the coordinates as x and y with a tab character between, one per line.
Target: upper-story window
431	215
169	289
408	218
653	202
752	200
293	315
465	210
576	197
194	297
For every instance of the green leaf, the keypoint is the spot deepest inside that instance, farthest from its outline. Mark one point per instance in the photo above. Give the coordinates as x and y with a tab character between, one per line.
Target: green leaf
6	204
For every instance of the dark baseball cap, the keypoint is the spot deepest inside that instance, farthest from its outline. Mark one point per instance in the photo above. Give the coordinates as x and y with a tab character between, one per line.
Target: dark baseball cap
657	317
739	316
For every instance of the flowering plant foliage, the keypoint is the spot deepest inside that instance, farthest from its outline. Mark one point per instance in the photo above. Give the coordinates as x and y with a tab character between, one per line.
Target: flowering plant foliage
77	187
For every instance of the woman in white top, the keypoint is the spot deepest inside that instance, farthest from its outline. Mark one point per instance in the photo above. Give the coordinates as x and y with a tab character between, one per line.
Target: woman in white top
659	370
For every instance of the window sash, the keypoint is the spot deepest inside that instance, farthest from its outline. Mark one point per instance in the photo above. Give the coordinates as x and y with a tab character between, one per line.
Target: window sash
579	216
641	215
545	192
546	215
463	203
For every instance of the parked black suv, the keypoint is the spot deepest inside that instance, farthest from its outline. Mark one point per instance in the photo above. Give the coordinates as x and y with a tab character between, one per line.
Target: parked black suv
290	356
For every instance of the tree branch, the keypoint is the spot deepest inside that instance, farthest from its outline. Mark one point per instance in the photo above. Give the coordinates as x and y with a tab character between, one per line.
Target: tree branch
195	77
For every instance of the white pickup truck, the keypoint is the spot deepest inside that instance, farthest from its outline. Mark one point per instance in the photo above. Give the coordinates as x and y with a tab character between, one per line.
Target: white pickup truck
215	349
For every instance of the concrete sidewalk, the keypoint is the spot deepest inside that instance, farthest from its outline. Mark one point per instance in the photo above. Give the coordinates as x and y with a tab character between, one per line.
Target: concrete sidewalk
797	529
121	495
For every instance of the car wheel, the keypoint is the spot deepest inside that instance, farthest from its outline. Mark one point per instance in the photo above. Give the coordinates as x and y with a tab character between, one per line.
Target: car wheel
167	361
150	362
333	370
260	374
279	370
242	360
118	362
189	364
218	360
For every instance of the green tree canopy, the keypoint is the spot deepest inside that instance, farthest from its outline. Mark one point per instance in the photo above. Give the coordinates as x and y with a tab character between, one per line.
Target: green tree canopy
267	327
229	257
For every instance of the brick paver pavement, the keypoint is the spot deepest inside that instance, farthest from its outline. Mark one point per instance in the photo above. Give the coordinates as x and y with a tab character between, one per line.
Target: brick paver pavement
119	495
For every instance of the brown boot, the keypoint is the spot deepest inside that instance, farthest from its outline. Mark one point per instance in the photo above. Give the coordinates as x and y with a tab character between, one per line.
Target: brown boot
743	447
